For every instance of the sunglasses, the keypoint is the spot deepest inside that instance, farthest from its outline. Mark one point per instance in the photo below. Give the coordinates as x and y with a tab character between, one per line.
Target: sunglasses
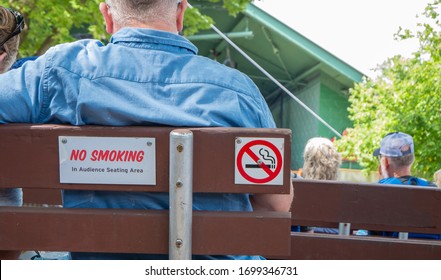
19	26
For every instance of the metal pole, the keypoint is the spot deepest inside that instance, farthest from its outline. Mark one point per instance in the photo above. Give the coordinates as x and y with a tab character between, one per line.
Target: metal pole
202	37
403	235
344	228
181	194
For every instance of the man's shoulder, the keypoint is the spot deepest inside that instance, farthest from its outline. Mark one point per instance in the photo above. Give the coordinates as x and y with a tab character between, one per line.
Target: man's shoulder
72	48
21	61
67	54
407	180
391	181
218	66
216	73
417	181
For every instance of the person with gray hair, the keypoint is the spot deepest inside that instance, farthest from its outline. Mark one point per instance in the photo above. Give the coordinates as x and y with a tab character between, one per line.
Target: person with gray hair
396	155
321	160
147	75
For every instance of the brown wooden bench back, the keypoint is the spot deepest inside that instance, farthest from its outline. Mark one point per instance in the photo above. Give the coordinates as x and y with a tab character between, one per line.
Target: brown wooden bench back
30	159
370	207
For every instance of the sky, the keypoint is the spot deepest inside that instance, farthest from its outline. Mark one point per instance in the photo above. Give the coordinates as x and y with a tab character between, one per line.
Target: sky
359	32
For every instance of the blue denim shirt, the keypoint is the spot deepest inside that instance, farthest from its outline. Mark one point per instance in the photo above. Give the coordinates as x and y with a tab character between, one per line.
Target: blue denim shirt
11	197
142	77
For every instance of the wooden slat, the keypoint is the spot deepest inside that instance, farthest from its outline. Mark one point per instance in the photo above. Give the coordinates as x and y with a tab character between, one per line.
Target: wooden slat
306	246
39	197
368	206
30	156
141	231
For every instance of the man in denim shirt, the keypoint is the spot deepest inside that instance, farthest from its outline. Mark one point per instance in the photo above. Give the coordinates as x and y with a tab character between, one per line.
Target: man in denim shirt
146	75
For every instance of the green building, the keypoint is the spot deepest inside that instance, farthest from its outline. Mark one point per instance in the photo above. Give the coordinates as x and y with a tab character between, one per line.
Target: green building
313	75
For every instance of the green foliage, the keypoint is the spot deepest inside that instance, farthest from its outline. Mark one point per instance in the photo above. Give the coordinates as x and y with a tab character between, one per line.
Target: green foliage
195	21
52	22
233	6
405	96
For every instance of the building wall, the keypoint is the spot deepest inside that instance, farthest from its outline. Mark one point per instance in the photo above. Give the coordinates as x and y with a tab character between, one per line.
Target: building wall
333	109
324	98
293	116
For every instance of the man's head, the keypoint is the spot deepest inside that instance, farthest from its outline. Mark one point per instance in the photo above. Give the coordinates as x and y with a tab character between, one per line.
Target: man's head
11	24
166	15
396	154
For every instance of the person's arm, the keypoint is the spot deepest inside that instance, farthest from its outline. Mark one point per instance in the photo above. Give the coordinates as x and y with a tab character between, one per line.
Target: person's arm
261	117
20	93
273	202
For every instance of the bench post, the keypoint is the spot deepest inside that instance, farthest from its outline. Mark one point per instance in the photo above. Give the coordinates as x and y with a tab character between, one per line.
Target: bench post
403	235
181	194
344	228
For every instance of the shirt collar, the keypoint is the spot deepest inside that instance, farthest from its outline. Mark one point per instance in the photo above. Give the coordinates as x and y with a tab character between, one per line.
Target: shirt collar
151	36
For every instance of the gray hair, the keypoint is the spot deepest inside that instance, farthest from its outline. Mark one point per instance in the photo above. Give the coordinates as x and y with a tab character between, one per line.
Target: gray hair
321	160
400	162
126	12
7	24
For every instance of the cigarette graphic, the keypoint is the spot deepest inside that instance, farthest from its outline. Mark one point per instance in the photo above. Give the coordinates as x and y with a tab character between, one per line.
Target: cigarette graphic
266	156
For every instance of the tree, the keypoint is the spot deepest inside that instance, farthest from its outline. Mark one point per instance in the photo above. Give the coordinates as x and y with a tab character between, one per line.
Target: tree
52	22
405	96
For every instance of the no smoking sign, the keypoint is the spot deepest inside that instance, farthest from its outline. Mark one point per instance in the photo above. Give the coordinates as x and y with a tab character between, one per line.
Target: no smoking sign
259	161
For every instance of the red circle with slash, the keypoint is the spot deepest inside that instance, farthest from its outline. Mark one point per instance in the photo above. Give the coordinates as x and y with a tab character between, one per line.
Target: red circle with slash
246	149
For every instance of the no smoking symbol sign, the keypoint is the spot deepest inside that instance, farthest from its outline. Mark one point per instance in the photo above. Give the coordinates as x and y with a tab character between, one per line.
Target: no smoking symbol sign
259	161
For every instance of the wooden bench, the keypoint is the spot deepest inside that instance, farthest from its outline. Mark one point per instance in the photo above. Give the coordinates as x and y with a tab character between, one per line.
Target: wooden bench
365	206
30	159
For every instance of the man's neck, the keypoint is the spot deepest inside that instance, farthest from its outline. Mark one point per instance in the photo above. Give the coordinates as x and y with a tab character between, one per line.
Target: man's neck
401	173
156	25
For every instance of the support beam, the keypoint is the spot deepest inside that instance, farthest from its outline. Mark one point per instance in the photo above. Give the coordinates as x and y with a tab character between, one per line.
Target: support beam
214	36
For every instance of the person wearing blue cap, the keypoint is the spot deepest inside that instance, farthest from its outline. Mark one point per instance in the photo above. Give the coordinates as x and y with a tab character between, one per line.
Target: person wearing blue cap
396	154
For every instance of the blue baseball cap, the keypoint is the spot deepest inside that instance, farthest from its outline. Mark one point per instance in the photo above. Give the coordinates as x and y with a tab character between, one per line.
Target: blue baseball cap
395	144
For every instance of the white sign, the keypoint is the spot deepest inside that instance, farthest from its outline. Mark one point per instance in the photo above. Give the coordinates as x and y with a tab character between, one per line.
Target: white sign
107	160
259	161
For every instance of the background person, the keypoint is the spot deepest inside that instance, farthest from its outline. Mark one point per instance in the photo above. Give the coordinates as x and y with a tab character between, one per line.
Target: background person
396	154
147	75
321	162
321	159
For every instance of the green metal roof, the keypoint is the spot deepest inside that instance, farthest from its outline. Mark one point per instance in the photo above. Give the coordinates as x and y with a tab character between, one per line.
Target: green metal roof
283	52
